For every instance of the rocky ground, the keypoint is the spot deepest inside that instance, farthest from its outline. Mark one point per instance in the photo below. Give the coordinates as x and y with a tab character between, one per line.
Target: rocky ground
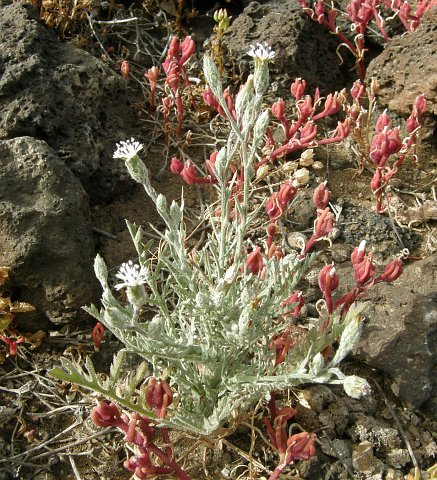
63	198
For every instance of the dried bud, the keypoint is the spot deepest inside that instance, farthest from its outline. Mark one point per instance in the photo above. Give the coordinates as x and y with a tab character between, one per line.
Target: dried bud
289	167
307	158
125	69
262	171
302	176
356	387
318	166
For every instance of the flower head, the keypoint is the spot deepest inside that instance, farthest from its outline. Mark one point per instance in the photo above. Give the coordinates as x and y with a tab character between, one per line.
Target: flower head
127	149
261	51
131	275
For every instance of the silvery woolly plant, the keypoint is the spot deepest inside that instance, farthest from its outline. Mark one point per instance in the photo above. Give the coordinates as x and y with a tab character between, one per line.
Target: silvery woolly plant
211	336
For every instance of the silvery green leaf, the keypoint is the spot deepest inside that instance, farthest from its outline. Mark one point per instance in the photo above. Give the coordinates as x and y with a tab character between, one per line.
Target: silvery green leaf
101	271
175	212
244	96
350	336
161	204
212	76
261	125
317	364
261	78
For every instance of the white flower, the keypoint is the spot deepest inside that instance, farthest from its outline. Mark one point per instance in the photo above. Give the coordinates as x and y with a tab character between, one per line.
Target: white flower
131	275
261	51
128	149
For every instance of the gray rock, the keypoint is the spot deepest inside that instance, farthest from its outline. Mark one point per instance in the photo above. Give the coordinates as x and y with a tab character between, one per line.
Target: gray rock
55	92
407	68
298	41
45	233
400	336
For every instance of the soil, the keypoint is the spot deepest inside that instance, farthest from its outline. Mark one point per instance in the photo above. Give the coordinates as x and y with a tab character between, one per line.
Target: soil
46	430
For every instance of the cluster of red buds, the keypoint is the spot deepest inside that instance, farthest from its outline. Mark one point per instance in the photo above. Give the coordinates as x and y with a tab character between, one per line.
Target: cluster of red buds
364	273
210	99
302	132
325	220
361	13
387	142
188	172
176	76
299	446
140	431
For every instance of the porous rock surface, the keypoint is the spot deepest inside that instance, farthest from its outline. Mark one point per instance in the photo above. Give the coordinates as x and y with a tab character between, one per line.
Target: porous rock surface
400	335
45	233
303	47
61	113
55	92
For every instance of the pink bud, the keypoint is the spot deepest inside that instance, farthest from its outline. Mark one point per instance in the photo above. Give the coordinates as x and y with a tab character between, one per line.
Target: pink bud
300	447
412	123
382	122
364	271
188	48
97	335
420	105
254	261
359	253
12	344
376	181
321	196
176	166
308	132
305	108
210	163
328	279
278	109
271	231
152	75
106	415
324	223
125	69
294	298
159	396
392	271
297	88
357	89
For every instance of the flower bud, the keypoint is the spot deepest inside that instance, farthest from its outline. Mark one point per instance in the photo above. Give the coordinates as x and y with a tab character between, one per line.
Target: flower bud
125	69
254	261
297	88
356	387
392	271
321	196
307	158
302	176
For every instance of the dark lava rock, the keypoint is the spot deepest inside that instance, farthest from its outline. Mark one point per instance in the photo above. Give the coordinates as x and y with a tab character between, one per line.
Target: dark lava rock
45	233
400	337
303	47
55	92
